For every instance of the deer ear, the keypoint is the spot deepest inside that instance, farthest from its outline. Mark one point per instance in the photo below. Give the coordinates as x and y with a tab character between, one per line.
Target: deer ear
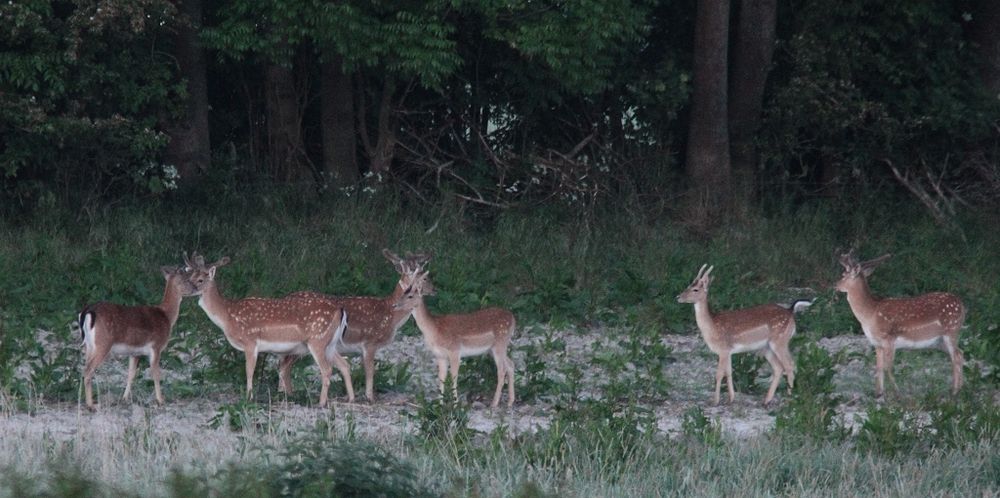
868	267
222	262
211	272
168	271
396	261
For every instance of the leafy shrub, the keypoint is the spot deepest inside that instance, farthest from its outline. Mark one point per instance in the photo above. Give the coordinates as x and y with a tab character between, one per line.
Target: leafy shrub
746	368
444	417
700	428
889	431
811	410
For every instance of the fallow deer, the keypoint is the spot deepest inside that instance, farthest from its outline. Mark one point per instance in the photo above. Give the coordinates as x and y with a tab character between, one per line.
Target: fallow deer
373	324
284	326
766	328
452	337
925	321
131	331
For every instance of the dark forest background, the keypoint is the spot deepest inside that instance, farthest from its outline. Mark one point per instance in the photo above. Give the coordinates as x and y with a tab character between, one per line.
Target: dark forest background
697	108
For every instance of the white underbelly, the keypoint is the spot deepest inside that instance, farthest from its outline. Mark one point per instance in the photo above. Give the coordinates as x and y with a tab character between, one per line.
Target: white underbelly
753	346
126	350
904	343
298	348
472	351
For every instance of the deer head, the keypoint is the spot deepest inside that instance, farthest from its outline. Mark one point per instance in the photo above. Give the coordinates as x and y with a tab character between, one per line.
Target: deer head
698	290
199	274
855	271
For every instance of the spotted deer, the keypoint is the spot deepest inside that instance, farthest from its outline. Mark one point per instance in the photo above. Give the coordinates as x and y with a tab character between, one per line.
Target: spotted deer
453	337
374	322
283	326
133	331
766	328
925	321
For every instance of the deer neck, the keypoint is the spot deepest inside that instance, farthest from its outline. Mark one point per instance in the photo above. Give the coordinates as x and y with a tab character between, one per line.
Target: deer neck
215	306
397	317
703	317
425	321
859	297
171	303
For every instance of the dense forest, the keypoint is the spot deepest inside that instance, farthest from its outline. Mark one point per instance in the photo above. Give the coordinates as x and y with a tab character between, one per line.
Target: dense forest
694	105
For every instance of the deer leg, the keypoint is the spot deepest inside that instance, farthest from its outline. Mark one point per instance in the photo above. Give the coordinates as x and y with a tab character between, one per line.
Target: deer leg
285	372
500	358
318	351
786	359
345	372
879	366
510	382
154	371
251	356
775	377
133	364
454	361
368	360
94	360
720	371
957	360
888	359
442	364
729	377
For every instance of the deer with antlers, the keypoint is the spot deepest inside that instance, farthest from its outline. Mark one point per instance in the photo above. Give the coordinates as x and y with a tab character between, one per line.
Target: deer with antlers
766	328
133	331
283	326
925	321
374	321
452	337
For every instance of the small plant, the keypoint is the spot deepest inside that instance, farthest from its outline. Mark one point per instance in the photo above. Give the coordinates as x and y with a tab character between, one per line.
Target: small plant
444	417
746	368
700	428
889	431
240	416
811	411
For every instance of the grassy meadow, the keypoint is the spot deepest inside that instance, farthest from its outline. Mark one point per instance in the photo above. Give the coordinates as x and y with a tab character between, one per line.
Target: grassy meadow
571	270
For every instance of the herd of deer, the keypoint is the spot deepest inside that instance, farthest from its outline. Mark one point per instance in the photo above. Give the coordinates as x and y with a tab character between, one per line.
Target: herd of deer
326	327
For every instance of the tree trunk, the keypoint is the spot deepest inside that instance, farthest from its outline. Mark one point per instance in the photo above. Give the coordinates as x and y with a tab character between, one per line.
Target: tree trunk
753	48
339	142
189	149
286	151
985	31
385	146
708	137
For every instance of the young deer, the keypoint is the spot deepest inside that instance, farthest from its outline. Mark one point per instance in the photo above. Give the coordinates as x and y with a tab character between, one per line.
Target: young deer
283	326
766	328
373	324
131	331
929	320
452	337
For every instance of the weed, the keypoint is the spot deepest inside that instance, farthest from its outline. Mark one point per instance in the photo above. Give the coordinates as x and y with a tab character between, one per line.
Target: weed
444	417
811	410
240	416
746	369
698	427
889	430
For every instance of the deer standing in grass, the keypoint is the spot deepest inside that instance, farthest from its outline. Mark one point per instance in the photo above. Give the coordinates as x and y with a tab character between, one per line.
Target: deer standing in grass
452	337
925	321
131	331
766	328
284	326
373	325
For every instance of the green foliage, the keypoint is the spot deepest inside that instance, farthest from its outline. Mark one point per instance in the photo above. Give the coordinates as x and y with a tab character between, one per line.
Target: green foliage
444	417
746	368
315	465
241	416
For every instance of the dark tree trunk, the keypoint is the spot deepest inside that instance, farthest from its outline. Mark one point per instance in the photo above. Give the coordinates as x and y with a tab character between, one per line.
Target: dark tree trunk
753	47
985	31
339	142
286	152
708	137
385	145
190	147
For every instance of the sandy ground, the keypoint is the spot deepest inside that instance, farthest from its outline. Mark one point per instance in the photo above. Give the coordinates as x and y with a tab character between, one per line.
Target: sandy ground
689	370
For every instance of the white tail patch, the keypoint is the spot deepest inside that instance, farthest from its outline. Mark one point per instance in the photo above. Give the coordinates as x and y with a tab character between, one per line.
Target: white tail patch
338	336
88	331
801	305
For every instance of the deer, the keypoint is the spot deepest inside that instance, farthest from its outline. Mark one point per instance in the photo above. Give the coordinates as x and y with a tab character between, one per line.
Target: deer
374	322
453	337
931	320
133	331
283	326
766	329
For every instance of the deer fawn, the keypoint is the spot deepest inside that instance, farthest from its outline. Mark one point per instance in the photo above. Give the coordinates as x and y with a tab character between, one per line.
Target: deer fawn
131	331
929	320
373	324
283	326
452	337
766	328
